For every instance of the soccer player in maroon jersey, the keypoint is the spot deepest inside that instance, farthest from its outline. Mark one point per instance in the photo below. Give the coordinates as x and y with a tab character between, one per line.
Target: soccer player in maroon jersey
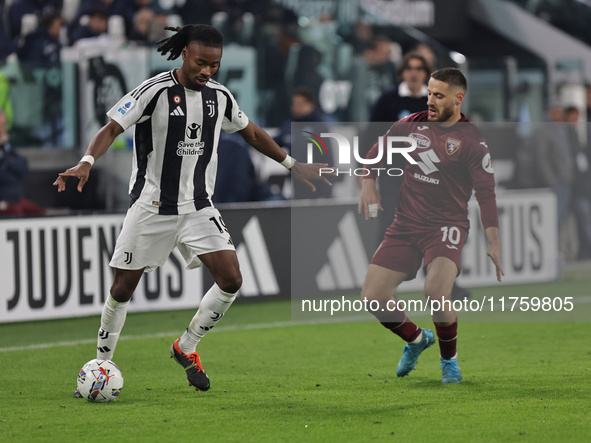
431	221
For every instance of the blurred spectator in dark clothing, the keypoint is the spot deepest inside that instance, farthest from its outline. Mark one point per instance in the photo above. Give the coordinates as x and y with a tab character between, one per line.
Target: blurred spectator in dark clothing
409	96
380	56
13	168
97	25
40	56
108	6
86	9
43	46
306	73
7	43
142	22
236	179
276	36
201	11
19	8
305	110
128	9
373	73
148	27
361	37
426	52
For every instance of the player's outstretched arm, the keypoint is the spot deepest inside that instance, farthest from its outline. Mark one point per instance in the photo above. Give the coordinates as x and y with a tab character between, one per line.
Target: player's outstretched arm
305	172
494	250
97	147
262	142
369	196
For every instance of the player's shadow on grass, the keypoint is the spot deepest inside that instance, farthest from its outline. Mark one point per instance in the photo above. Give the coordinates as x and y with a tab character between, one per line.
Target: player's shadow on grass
431	383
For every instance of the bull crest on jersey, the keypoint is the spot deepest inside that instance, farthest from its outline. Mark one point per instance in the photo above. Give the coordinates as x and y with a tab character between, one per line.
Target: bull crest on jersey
452	145
193	131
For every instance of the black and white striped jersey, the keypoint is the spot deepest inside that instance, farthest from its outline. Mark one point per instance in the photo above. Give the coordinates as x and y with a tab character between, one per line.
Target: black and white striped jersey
175	141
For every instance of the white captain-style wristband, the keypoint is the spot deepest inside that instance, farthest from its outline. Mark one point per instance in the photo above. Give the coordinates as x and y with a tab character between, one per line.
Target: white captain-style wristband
288	162
87	158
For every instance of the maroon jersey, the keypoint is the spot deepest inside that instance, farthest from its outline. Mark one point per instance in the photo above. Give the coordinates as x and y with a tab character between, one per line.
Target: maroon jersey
450	163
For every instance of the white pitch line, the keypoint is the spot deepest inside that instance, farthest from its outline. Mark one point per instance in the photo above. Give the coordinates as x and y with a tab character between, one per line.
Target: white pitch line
247	327
584	299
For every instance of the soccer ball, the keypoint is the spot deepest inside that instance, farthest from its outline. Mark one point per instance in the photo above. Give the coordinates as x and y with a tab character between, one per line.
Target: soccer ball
100	380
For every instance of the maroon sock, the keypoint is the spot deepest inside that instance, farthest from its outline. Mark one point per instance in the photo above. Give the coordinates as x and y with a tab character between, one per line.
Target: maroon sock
401	325
448	337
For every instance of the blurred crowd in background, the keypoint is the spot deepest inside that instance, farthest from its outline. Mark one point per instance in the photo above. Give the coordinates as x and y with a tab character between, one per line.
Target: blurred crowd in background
308	68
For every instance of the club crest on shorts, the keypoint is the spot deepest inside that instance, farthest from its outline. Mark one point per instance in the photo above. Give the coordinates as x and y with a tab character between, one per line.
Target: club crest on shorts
452	145
128	257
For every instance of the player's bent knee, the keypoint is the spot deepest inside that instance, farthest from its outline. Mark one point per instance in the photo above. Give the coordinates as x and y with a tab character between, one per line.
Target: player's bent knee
121	293
122	290
230	284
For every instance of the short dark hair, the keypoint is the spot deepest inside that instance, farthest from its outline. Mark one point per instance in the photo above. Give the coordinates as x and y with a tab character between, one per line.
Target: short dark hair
414	56
47	19
451	76
98	10
305	93
205	34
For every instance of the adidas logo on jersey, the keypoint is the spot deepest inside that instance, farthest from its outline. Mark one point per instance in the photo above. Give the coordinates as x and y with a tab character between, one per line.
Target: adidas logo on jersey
178	111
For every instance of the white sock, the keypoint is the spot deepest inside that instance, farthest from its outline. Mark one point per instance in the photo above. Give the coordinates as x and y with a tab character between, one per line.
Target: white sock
418	339
112	320
214	304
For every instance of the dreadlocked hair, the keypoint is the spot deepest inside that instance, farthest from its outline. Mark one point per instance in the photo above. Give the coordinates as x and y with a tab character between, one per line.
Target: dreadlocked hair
205	34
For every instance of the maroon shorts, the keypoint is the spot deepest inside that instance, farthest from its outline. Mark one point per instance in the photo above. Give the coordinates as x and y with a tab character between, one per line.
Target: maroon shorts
404	247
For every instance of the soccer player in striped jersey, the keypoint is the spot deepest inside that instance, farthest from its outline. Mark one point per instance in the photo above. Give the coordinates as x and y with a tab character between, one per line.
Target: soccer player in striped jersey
178	116
431	220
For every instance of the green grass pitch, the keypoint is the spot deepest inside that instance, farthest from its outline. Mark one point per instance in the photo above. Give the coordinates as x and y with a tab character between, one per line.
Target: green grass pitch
274	380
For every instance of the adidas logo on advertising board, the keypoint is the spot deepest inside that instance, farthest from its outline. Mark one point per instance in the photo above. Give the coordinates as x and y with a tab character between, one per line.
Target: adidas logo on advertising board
347	259
258	275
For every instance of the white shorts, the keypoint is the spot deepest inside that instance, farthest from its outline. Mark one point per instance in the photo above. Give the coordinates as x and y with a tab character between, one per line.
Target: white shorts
147	239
